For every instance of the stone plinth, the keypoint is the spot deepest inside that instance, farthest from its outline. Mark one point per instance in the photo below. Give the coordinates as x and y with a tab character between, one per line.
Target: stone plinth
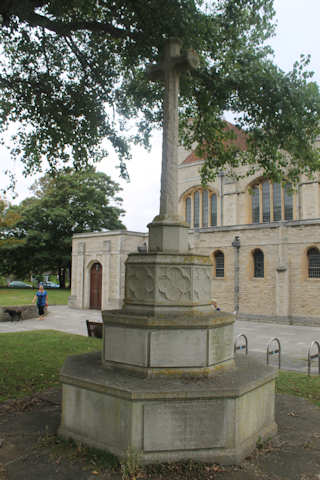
168	283
215	419
180	344
168	235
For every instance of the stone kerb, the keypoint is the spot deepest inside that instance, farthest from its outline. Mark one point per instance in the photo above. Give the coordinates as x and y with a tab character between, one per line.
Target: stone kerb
168	283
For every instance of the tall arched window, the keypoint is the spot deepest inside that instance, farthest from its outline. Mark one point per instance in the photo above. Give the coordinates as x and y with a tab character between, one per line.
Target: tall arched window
201	208
219	264
258	263
313	263
270	202
188	210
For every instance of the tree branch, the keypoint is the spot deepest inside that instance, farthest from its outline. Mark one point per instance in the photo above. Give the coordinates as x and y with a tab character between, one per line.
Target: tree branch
63	28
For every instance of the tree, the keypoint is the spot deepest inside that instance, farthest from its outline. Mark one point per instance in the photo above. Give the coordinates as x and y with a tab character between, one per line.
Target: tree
71	202
73	75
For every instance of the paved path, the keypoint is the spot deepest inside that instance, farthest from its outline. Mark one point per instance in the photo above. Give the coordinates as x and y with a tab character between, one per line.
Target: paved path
294	339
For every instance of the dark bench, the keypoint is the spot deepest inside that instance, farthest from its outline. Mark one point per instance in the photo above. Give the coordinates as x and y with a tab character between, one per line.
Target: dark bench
94	329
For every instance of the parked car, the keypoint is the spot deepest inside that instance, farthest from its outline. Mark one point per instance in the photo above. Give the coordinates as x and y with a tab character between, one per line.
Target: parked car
18	284
50	285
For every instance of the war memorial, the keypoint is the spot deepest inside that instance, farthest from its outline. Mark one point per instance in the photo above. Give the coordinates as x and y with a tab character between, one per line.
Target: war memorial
166	383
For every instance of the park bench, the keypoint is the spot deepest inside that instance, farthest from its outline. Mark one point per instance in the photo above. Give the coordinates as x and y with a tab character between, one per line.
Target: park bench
94	329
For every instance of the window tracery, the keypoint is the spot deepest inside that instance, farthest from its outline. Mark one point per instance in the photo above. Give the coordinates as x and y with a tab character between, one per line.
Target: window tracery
201	208
271	202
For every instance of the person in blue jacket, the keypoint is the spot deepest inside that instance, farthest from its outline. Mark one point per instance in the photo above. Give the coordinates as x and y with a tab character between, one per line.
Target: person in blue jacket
42	301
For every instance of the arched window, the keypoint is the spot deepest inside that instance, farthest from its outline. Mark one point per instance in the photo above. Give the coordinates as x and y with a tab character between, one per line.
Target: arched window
188	210
258	263
219	264
201	208
313	263
270	202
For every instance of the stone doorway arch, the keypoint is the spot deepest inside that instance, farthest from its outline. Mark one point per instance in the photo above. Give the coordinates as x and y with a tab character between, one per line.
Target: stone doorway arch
95	286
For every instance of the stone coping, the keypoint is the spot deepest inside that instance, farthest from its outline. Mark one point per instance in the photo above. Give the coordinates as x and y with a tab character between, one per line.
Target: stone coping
86	371
110	233
189	320
171	258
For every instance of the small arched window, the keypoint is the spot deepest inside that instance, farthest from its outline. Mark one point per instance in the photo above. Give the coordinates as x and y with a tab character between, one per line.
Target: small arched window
219	264
313	263
258	263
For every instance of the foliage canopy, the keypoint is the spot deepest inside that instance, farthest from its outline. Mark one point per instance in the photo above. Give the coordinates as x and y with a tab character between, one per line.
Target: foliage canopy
73	75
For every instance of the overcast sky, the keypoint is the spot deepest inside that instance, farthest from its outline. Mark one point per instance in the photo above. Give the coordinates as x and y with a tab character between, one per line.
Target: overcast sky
297	33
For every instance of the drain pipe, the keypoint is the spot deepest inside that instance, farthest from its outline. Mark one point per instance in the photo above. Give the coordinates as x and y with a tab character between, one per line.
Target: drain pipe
221	175
236	246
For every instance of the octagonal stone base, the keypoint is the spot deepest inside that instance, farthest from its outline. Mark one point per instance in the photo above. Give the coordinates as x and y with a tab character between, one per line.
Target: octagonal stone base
216	419
168	283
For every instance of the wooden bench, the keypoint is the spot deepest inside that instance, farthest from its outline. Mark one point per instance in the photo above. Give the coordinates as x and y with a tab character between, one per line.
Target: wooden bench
94	329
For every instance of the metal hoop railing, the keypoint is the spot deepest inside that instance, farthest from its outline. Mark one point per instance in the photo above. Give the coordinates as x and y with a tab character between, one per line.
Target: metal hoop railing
276	350
240	347
312	357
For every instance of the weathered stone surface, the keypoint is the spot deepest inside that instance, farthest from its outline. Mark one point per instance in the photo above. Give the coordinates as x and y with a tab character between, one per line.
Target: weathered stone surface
168	237
126	345
178	348
216	419
184	425
220	344
181	344
168	280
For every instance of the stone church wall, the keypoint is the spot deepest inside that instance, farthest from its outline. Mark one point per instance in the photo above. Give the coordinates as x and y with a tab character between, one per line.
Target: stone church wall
284	294
110	249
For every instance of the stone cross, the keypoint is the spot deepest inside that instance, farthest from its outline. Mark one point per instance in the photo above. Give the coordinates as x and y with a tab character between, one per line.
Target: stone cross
169	70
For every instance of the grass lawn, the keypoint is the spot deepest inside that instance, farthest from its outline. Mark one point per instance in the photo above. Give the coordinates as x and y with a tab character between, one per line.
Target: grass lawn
31	361
24	296
300	385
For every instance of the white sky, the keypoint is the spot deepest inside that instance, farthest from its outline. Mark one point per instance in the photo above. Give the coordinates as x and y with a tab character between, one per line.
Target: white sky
298	24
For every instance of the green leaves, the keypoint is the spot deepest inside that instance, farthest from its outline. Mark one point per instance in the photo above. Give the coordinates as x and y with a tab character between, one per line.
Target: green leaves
72	76
71	202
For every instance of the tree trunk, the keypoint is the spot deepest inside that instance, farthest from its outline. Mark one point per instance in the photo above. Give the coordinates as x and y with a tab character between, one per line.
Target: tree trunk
70	274
62	277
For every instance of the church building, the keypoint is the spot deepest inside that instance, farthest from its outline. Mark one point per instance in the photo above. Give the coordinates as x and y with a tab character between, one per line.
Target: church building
263	239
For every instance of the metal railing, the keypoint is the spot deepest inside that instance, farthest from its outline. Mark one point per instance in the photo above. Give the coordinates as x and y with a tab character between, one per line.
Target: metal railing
275	344
240	347
315	355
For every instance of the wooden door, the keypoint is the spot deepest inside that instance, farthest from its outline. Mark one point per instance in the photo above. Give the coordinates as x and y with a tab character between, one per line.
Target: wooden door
95	286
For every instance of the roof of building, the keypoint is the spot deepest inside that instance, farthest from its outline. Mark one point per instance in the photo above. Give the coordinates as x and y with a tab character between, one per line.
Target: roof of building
240	141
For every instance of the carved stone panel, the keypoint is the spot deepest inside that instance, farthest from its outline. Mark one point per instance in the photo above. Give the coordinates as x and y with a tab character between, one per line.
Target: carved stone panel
140	283
174	284
202	284
174	281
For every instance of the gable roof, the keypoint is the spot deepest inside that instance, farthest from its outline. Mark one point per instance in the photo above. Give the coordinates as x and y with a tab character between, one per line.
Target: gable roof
240	141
